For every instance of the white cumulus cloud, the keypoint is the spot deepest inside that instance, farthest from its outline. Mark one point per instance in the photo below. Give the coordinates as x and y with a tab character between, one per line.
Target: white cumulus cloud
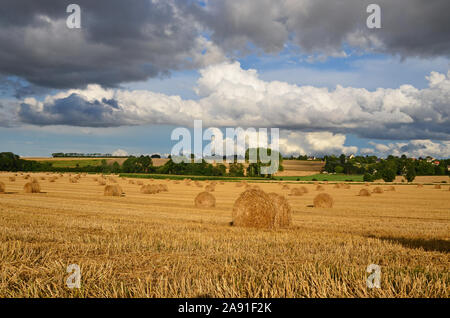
120	153
230	96
415	148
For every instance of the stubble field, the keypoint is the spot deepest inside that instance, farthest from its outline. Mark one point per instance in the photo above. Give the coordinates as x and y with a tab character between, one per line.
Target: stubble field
161	245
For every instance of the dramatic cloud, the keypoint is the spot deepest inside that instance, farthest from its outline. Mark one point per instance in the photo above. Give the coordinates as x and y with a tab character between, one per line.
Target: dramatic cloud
8	114
231	96
119	41
124	41
323	28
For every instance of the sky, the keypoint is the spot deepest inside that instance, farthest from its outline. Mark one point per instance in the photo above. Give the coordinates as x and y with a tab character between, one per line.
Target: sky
136	70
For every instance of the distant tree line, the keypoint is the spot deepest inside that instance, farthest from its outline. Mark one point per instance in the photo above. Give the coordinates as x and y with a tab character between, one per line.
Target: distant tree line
141	164
84	155
371	167
12	162
387	169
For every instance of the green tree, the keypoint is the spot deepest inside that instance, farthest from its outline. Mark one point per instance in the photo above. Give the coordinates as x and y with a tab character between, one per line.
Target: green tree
236	170
388	174
254	169
339	169
368	177
115	167
410	174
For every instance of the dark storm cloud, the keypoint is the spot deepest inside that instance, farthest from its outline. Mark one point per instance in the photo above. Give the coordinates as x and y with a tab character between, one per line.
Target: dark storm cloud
409	27
122	41
74	111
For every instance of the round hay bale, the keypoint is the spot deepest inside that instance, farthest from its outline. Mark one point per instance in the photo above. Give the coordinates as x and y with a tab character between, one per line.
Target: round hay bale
32	187
285	187
296	192
141	183
391	188
205	200
254	208
367	184
73	180
210	188
337	186
346	186
320	188
323	200
239	184
163	188
149	189
437	186
12	179
364	193
378	190
131	181
52	179
113	191
420	185
42	178
101	182
2	187
283	216
304	189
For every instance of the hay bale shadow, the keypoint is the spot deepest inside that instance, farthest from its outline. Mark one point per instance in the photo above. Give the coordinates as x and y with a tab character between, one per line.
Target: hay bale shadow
428	245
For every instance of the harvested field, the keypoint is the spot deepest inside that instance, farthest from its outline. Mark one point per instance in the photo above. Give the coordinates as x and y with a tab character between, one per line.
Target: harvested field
162	245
